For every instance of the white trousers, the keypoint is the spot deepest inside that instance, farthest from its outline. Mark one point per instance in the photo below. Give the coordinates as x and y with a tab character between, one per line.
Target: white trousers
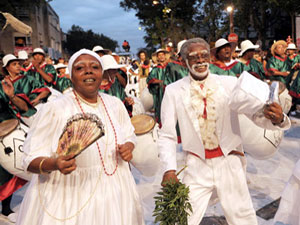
226	176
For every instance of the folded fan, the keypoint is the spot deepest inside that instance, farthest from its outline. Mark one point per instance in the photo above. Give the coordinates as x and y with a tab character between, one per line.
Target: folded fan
80	132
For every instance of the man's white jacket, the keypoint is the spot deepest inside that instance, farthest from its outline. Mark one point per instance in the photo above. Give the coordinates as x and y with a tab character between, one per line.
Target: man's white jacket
176	107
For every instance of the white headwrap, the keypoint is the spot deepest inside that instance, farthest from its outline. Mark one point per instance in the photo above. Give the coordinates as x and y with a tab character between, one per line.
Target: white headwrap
82	52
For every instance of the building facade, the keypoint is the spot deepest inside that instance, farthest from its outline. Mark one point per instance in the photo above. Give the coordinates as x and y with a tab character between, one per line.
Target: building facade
46	33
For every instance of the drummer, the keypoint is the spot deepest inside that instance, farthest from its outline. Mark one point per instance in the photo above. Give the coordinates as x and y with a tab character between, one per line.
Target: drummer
42	72
63	81
114	81
18	94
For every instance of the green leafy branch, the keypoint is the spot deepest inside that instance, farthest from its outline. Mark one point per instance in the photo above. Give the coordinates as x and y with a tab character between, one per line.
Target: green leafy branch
172	205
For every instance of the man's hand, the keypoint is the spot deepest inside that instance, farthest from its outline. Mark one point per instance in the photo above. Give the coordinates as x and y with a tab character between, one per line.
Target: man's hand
125	151
169	176
35	101
274	113
8	87
66	164
35	64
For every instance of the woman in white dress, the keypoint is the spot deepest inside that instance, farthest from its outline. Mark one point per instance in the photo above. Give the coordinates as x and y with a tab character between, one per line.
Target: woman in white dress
96	187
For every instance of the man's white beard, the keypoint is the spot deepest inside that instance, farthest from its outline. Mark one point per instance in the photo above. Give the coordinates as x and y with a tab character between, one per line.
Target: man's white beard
198	74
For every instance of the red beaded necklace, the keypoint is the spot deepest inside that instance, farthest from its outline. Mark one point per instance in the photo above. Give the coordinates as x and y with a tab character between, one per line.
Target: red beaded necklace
116	145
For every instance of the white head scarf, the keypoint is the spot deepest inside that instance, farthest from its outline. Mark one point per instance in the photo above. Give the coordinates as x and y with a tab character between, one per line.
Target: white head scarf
83	52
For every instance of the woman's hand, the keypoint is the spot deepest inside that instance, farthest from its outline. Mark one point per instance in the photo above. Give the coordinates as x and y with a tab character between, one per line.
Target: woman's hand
274	113
66	164
8	87
125	151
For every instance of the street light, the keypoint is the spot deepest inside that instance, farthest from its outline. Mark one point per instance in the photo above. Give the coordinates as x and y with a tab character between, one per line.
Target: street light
155	2
230	11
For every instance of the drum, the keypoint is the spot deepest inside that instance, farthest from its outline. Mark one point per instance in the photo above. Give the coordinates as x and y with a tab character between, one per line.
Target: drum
285	100
259	142
145	154
137	108
12	136
147	99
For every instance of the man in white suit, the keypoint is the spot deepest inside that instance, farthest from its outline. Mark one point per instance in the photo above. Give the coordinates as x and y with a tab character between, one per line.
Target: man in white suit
211	137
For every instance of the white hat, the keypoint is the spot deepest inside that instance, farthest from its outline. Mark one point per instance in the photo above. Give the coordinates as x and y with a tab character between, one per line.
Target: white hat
59	66
83	52
291	46
161	50
237	49
97	48
179	45
109	62
246	45
22	55
7	58
38	51
220	43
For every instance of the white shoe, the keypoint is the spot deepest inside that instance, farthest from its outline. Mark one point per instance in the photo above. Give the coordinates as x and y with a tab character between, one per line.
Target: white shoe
12	217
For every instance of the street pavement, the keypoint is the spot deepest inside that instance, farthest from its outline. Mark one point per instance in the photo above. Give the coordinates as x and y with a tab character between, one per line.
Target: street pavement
266	180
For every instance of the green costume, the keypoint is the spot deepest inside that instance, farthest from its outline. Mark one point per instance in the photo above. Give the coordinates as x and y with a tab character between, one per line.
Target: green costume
27	89
115	88
48	69
295	87
175	71
234	69
157	89
256	68
277	63
295	58
62	83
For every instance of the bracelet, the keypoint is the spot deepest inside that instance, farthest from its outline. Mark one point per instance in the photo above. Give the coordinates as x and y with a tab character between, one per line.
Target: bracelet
40	166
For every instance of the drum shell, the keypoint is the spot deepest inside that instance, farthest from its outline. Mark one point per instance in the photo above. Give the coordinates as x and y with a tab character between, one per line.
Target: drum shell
147	99
12	162
258	142
145	154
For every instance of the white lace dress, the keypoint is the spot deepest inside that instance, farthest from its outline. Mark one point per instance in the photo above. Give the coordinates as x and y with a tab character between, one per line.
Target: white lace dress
87	196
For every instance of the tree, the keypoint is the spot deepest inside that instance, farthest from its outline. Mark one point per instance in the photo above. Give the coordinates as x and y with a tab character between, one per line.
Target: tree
164	19
77	39
210	20
292	7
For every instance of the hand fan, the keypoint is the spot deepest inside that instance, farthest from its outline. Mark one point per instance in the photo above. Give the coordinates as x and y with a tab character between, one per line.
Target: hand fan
80	132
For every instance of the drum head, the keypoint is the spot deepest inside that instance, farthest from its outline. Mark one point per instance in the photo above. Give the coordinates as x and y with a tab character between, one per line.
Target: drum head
142	124
8	126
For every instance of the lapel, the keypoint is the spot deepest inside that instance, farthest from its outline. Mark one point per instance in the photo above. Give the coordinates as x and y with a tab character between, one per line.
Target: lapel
185	96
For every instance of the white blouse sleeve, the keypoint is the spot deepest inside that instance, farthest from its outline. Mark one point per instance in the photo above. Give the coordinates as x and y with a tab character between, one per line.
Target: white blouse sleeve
41	135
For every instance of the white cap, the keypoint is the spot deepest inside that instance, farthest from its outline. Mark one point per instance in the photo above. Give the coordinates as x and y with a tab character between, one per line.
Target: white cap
109	62
97	48
179	45
246	45
291	46
39	51
7	58
22	55
59	66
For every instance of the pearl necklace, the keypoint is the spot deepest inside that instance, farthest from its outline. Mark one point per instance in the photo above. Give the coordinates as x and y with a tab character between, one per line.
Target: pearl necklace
116	142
